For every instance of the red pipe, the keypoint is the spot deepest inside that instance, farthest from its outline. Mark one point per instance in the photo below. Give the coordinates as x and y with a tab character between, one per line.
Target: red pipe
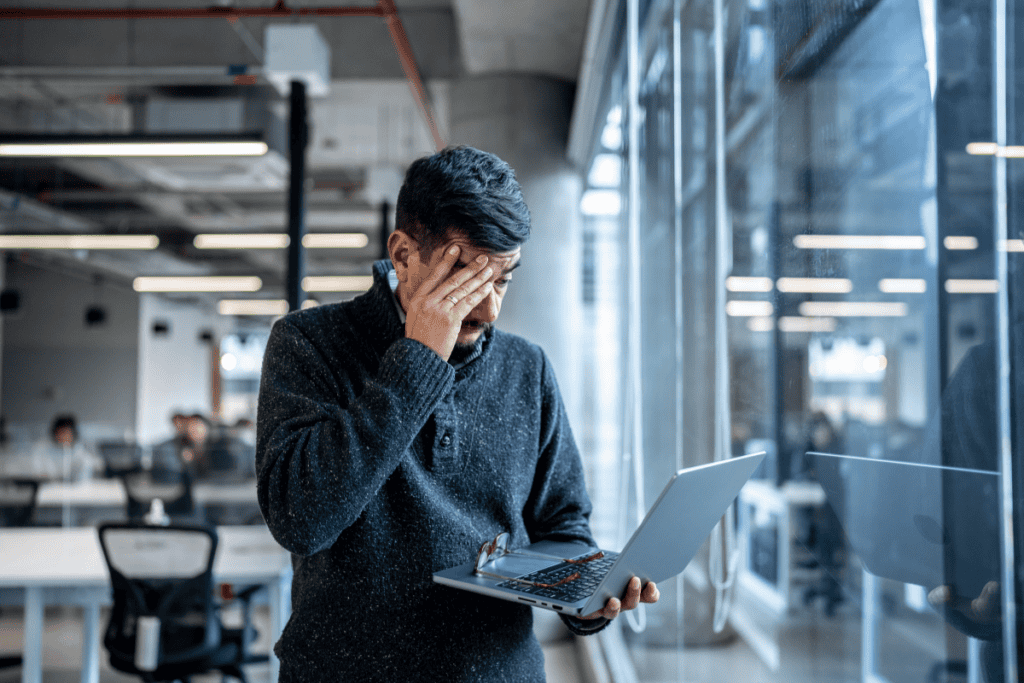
412	73
384	8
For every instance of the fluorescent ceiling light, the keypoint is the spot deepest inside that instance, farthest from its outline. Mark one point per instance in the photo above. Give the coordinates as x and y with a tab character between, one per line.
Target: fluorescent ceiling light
109	148
206	283
991	148
277	240
859	242
79	241
748	284
605	171
601	203
960	242
852	309
902	285
982	148
815	285
337	283
336	240
761	324
1015	245
252	306
310	303
972	286
749	308
794	323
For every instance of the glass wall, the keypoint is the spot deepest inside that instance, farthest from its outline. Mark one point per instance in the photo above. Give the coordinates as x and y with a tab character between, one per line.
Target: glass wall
804	236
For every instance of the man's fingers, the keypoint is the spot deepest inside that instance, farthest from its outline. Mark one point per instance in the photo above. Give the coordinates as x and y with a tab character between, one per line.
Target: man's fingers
443	268
651	593
632	598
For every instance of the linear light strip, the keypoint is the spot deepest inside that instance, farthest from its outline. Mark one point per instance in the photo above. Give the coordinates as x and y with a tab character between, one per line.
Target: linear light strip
335	240
748	308
79	241
971	286
993	149
815	285
273	240
909	242
902	285
337	283
960	242
847	309
280	240
134	149
206	283
748	284
252	306
793	323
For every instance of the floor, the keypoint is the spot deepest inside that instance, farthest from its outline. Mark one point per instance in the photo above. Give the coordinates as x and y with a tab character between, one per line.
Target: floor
62	647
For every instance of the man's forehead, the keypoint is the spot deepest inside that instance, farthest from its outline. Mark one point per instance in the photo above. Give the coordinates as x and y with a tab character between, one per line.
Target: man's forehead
470	252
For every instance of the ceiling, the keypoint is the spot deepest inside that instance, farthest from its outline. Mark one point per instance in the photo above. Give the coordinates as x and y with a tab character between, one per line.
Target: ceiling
163	75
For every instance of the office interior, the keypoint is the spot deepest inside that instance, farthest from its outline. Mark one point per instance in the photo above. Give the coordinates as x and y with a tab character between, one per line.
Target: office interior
783	225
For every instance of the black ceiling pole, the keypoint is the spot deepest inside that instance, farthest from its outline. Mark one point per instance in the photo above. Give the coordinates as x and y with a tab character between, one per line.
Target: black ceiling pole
298	139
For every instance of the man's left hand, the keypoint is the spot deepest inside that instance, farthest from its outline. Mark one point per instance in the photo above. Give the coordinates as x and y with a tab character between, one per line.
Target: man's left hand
629	601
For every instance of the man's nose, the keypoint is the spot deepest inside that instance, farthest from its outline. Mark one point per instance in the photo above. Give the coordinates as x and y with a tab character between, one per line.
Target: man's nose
487	310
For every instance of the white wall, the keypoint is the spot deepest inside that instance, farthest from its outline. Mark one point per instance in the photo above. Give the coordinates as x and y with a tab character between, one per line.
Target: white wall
174	369
53	363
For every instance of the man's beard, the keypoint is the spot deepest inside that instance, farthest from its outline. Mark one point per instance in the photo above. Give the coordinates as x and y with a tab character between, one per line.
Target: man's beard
462	349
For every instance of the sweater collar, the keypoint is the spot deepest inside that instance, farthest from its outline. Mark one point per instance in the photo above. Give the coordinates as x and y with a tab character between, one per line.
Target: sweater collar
379	309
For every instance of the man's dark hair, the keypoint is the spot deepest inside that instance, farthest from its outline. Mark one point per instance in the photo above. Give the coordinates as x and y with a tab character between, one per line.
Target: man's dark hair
64	421
462	190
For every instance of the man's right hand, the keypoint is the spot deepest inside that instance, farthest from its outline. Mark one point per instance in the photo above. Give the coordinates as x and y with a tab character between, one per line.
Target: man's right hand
436	311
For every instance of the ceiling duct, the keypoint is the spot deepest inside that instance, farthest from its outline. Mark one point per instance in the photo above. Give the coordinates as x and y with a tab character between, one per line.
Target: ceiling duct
222	116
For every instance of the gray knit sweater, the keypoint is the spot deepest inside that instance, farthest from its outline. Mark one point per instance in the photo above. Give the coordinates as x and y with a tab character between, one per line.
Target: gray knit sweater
378	464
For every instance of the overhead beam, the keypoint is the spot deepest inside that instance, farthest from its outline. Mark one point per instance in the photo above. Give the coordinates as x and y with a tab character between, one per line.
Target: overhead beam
279	10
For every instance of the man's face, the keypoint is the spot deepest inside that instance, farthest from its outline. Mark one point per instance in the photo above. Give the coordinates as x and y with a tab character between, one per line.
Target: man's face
486	312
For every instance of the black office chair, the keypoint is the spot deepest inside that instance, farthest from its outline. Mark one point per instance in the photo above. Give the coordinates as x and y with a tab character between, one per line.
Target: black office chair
172	487
119	458
17	501
164	623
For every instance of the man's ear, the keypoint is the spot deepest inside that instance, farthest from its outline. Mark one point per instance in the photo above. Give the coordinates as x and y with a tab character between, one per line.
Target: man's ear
401	248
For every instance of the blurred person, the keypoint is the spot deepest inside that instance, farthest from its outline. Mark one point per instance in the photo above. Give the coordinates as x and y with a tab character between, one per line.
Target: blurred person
60	457
398	431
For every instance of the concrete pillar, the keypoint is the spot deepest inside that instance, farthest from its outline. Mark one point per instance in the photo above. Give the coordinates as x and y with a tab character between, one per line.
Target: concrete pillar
524	119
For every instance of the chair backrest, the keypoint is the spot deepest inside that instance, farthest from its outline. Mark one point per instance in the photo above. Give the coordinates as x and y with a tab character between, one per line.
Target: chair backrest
166	573
17	501
119	457
173	487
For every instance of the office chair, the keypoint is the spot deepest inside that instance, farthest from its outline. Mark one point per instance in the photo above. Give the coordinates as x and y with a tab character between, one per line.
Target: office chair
164	623
173	487
119	458
17	501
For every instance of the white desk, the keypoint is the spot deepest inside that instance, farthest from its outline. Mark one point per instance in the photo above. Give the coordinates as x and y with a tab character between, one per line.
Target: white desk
42	566
104	493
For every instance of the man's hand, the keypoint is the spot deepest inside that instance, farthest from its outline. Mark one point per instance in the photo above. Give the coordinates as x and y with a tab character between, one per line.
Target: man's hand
984	609
437	309
632	598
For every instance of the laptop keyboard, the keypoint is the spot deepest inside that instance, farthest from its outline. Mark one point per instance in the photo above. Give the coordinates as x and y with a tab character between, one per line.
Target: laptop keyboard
591	574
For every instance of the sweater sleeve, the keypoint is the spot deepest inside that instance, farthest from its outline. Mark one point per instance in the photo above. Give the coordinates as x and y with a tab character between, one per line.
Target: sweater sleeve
558	508
319	458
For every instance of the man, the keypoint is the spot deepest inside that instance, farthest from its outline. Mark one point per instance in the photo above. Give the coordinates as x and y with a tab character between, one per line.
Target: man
399	431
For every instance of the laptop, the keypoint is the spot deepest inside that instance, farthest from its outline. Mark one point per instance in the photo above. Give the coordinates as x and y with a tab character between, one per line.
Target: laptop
541	574
927	525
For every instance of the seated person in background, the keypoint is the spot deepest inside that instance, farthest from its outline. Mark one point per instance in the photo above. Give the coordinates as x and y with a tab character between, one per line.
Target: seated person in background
61	457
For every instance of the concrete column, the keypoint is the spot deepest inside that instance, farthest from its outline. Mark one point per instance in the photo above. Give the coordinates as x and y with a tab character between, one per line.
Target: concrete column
524	119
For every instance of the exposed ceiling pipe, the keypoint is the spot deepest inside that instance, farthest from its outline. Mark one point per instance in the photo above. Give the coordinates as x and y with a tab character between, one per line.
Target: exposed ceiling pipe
384	8
412	73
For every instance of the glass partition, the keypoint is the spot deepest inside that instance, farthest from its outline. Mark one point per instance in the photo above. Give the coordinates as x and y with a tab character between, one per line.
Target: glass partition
816	254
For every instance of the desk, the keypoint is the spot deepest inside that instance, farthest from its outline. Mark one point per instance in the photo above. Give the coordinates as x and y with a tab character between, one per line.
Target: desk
40	566
104	499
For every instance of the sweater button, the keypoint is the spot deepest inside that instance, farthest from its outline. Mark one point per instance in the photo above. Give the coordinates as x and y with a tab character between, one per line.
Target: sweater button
446	440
